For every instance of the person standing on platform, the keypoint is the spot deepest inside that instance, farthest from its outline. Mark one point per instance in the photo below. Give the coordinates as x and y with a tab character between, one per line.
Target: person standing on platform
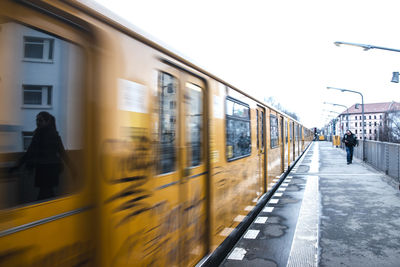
350	141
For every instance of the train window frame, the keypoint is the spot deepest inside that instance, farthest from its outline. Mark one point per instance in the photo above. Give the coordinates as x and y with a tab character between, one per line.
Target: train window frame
274	142
66	185
172	119
192	163
233	117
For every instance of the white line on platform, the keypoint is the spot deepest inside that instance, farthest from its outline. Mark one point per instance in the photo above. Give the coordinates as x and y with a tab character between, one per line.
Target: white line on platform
284	184
237	254
278	194
261	220
281	189
274	201
251	234
268	209
304	250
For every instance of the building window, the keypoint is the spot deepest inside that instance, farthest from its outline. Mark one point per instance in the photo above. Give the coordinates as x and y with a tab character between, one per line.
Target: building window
356	130
37	95
369	116
370	123
370	131
238	139
172	104
36	48
26	139
355	117
375	117
355	124
380	116
374	123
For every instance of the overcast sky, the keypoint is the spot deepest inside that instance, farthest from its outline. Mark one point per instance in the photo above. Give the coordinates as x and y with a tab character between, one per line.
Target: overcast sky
282	49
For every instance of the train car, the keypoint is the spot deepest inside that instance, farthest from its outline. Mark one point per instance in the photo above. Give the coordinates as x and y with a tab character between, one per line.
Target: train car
115	151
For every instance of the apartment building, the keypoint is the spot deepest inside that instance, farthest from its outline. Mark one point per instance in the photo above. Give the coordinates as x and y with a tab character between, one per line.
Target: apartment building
374	116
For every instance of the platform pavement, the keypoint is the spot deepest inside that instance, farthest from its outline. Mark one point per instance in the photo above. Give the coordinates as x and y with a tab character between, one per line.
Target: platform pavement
330	214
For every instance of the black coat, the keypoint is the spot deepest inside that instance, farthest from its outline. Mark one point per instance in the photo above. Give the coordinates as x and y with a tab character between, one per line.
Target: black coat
44	155
350	140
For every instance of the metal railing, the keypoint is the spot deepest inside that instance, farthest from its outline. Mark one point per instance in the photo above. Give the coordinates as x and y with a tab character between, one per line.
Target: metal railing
381	155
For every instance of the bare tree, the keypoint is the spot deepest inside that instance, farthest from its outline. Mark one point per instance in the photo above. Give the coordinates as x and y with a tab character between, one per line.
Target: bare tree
392	121
272	101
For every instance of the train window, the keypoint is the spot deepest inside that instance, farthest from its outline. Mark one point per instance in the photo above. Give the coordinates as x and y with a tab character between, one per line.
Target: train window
258	129
168	114
291	130
194	122
238	138
40	115
262	130
286	132
274	131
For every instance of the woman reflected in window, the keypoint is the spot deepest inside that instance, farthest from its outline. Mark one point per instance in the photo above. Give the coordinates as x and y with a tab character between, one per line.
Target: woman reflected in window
45	155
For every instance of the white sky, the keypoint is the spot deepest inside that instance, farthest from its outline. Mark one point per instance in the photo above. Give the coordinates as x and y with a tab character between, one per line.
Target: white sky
283	49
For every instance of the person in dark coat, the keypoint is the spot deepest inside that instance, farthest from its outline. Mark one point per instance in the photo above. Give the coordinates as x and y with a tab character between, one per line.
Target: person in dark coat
350	141
45	155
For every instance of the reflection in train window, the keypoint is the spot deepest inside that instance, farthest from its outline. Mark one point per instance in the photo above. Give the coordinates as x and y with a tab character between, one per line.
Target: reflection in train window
167	130
274	130
262	130
38	48
40	127
238	139
194	122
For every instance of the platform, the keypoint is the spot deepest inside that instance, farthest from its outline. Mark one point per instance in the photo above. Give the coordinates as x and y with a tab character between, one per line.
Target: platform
325	213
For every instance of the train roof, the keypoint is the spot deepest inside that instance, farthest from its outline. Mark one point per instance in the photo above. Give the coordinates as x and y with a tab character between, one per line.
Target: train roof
105	15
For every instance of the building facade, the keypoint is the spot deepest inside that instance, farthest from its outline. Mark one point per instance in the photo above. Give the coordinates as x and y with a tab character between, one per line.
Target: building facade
374	119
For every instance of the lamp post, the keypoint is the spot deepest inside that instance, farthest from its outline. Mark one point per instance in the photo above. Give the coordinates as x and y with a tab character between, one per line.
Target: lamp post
362	111
347	109
366	47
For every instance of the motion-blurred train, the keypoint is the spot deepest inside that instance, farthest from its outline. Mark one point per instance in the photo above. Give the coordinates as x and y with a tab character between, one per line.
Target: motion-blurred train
143	158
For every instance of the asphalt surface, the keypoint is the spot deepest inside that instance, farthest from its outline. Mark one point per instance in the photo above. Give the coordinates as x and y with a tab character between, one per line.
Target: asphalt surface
330	214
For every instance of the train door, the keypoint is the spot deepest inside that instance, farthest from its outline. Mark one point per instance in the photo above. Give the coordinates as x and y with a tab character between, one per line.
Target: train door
44	188
194	169
261	149
183	128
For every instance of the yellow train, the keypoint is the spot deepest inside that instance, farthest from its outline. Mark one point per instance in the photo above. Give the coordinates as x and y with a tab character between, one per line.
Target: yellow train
117	152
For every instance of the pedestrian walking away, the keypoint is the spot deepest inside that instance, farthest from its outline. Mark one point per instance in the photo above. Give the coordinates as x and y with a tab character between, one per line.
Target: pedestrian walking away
350	141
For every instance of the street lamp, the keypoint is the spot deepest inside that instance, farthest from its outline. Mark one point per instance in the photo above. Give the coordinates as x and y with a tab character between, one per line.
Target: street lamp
362	111
366	47
347	109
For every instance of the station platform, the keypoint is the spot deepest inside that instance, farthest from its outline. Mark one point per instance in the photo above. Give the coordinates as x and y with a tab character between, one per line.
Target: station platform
325	213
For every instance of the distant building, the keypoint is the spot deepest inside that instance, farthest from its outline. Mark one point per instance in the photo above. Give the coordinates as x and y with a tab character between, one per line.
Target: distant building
374	119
